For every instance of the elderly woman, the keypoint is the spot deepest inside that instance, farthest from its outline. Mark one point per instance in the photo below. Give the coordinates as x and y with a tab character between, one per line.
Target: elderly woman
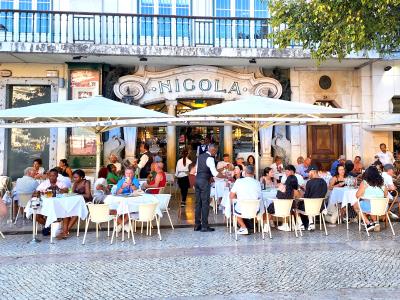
372	186
159	180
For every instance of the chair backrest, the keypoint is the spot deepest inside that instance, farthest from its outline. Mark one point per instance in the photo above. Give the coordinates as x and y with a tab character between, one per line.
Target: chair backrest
155	190
249	208
282	207
99	212
379	206
23	199
163	200
147	211
312	206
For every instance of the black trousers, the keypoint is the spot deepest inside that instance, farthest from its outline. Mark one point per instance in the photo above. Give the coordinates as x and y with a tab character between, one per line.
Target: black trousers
183	183
202	188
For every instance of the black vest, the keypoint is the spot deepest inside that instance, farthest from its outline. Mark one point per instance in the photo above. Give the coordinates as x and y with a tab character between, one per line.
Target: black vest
145	171
203	171
201	151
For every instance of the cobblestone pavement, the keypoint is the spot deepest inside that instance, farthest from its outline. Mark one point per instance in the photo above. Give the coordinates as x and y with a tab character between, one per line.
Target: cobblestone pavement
186	264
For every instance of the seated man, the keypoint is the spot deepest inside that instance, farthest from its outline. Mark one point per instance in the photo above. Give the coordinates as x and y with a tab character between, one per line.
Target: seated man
246	188
53	184
128	183
291	170
387	174
25	184
159	180
316	187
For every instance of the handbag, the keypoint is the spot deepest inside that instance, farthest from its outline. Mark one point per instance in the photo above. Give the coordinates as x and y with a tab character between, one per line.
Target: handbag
332	214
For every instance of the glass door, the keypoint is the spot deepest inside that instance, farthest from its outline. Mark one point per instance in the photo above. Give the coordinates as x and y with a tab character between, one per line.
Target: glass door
25	145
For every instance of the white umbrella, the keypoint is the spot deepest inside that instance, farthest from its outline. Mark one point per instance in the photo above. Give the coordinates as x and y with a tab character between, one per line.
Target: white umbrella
255	113
386	123
97	113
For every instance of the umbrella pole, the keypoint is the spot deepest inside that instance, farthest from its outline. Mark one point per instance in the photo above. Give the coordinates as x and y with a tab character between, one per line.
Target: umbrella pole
98	152
255	139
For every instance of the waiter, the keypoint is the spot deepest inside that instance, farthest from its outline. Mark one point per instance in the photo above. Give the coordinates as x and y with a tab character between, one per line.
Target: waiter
203	147
205	170
145	160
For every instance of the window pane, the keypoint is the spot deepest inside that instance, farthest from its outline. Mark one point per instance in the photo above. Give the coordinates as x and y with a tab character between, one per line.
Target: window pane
146	23
223	27
164	23
27	144
6	18
242	26
183	25
261	11
43	19
25	20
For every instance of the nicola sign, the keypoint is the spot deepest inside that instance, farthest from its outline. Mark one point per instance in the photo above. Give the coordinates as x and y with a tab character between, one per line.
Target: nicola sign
146	87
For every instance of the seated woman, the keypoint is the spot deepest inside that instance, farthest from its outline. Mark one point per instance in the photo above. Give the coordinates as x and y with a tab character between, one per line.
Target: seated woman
237	172
288	190
153	172
372	186
268	180
251	160
80	186
338	179
101	190
66	171
39	170
112	176
158	182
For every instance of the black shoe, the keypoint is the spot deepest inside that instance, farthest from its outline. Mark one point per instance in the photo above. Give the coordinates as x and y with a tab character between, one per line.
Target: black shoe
183	204
46	231
207	229
197	228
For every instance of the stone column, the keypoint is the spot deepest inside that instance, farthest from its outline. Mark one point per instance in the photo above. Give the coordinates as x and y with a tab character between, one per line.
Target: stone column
171	139
228	140
265	142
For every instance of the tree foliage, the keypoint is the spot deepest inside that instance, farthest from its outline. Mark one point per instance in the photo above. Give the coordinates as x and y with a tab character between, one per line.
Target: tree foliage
335	28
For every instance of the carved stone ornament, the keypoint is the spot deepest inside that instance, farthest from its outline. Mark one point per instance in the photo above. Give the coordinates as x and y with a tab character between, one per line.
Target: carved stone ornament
194	82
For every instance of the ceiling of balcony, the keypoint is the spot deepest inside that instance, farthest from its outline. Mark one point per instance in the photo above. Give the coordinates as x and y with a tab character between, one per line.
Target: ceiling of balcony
170	60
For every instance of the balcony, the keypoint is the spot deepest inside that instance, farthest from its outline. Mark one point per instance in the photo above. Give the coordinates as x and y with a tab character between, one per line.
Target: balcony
28	32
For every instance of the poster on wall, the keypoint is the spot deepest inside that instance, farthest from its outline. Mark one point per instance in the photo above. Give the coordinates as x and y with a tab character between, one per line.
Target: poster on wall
83	84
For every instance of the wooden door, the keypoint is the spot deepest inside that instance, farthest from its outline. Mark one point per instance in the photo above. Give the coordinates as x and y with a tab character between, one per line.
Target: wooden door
325	143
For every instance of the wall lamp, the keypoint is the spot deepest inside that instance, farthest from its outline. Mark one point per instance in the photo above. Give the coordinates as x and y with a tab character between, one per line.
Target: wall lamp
387	68
142	59
253	61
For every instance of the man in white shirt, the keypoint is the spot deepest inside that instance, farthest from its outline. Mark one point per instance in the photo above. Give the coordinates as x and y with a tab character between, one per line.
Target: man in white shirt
291	170
225	164
25	184
145	161
52	183
243	189
387	174
385	156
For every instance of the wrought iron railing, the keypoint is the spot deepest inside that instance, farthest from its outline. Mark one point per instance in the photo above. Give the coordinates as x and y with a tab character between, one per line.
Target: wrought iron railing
134	29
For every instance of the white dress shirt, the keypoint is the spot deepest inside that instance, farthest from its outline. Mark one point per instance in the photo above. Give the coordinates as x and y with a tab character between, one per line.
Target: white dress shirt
143	160
274	167
65	180
210	162
46	184
386	158
387	179
181	170
300	179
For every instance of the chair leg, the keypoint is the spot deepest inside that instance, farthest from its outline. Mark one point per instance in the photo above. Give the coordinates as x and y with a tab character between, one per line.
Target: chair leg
235	225
262	228
97	231
390	223
169	217
2	235
269	227
131	231
297	218
347	216
108	229
86	229
365	223
254	225
16	218
323	221
295	227
158	226
77	229
114	230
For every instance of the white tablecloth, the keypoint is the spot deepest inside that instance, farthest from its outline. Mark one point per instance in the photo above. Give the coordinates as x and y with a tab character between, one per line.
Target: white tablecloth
60	207
124	205
343	195
218	188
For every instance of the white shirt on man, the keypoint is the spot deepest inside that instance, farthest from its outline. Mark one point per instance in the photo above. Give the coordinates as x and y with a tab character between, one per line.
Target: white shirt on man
210	162
247	188
64	179
300	179
387	179
26	184
143	160
46	184
385	158
275	168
